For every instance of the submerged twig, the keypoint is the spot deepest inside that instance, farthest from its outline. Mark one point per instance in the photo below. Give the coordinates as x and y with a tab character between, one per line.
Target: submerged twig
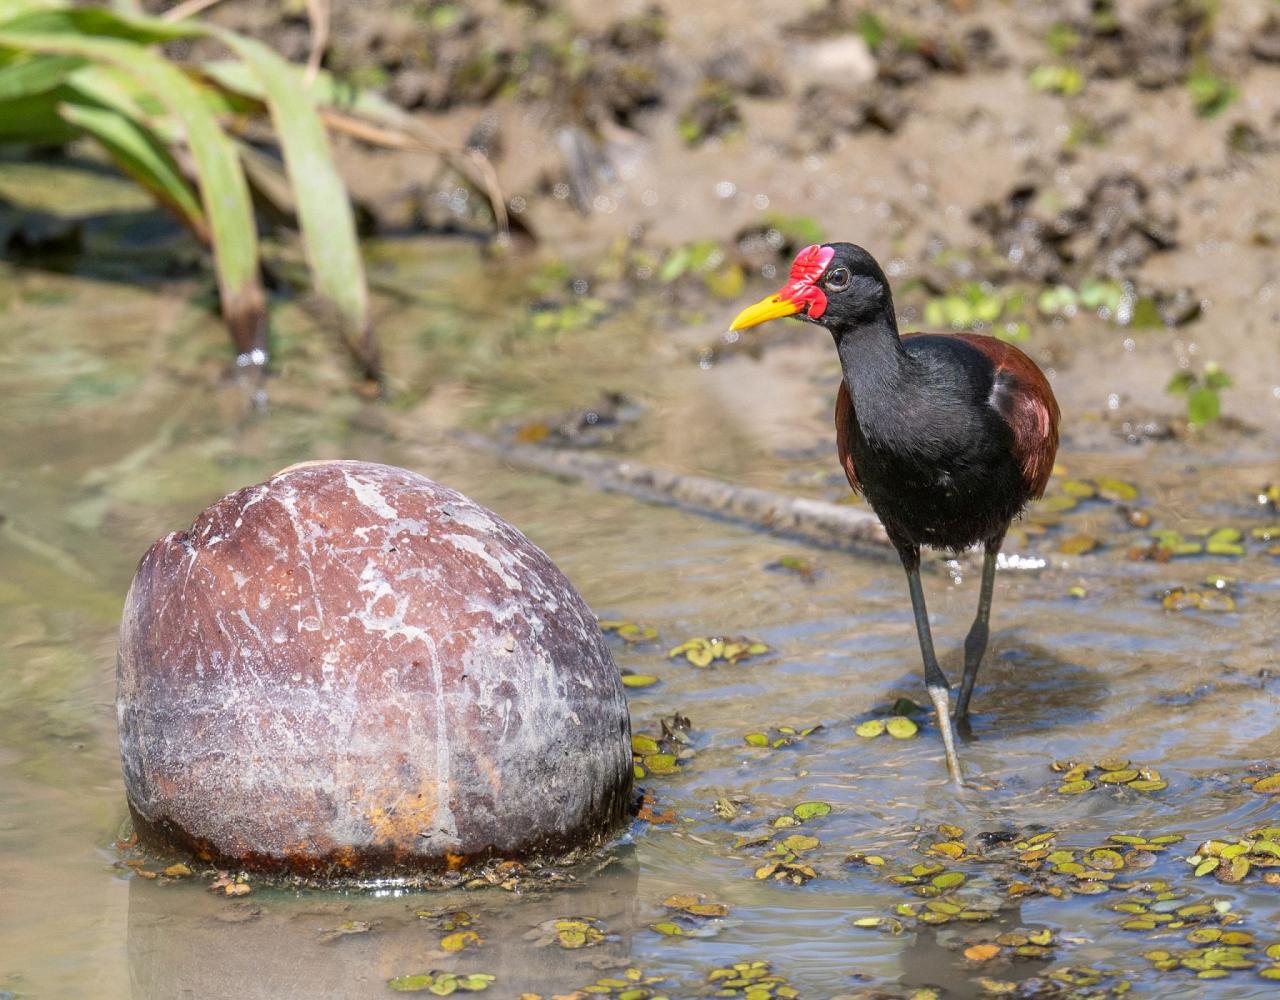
814	521
188	9
471	163
318	15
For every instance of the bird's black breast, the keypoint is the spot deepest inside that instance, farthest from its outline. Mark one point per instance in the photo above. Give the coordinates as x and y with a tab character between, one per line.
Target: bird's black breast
935	459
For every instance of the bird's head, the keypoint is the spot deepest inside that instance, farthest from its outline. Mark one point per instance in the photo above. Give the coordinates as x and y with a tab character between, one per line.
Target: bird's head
836	285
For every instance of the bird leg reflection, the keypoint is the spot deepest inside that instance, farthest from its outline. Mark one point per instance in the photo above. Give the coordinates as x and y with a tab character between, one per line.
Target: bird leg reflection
975	643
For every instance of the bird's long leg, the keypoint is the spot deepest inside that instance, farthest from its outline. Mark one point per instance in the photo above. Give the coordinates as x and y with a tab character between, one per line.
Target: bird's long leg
975	643
934	679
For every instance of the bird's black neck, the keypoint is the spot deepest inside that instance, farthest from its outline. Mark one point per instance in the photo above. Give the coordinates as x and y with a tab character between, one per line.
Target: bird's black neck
877	372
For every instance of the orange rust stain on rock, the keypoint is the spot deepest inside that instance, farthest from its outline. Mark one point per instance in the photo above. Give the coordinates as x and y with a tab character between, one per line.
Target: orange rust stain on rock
406	819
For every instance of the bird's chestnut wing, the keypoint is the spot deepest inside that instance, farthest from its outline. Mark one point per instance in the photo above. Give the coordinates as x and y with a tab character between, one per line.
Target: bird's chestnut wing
1022	396
844	434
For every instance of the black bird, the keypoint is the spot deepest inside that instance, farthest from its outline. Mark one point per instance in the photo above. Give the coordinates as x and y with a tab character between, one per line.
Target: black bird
947	435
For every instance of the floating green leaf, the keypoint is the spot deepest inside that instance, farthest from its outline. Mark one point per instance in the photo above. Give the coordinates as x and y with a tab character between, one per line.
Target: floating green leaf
441	983
702	652
630	632
811	810
901	728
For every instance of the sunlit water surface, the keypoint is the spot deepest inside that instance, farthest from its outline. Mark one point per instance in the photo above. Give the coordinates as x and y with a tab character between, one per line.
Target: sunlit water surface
117	429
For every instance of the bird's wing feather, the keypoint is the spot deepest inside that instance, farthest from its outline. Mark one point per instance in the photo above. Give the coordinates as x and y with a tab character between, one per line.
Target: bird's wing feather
844	431
1022	395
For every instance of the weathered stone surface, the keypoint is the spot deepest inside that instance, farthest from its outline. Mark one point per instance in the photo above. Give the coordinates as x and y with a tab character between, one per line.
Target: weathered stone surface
350	669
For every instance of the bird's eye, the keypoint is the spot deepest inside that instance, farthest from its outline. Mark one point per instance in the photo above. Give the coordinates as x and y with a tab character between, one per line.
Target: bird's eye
838	280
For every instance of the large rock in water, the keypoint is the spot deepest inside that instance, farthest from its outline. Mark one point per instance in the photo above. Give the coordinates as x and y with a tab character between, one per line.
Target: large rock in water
352	670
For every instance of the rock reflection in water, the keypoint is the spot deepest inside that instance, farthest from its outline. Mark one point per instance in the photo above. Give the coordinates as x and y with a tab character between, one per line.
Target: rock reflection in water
186	943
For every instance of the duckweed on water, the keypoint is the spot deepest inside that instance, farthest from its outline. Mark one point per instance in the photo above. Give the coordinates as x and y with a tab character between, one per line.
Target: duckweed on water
571	933
441	983
446	920
702	652
347	928
755	980
1033	944
799	566
629	632
696	906
460	940
1258	852
693	917
1079	778
1078	545
630	984
1168	544
1216	954
784	860
784	736
897	726
662	754
1218	594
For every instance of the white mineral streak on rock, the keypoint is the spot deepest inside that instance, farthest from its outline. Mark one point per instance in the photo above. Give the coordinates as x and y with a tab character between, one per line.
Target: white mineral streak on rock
446	825
378	590
369	495
469	543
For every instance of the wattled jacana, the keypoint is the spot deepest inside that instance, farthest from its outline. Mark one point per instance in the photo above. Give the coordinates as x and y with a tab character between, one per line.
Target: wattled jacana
947	435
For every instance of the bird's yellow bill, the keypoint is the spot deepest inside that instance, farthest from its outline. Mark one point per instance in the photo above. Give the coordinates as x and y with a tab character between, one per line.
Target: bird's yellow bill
774	307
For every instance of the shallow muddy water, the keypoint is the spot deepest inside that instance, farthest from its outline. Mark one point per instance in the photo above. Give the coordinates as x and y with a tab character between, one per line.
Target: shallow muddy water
117	430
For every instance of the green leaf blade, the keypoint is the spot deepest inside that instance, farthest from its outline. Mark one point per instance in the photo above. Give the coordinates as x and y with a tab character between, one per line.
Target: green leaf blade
324	207
223	188
139	153
31	75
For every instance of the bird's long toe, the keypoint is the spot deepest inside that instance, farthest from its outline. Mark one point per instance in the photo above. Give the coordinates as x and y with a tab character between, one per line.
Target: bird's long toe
941	698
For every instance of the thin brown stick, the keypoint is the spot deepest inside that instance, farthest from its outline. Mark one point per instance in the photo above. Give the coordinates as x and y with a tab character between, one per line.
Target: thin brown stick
816	522
472	164
318	15
187	9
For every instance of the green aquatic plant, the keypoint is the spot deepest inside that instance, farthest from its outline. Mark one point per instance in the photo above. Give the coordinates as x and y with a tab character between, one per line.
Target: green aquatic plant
1210	94
441	983
1066	81
1062	39
872	29
979	305
68	72
1108	299
703	652
1202	392
705	259
182	131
